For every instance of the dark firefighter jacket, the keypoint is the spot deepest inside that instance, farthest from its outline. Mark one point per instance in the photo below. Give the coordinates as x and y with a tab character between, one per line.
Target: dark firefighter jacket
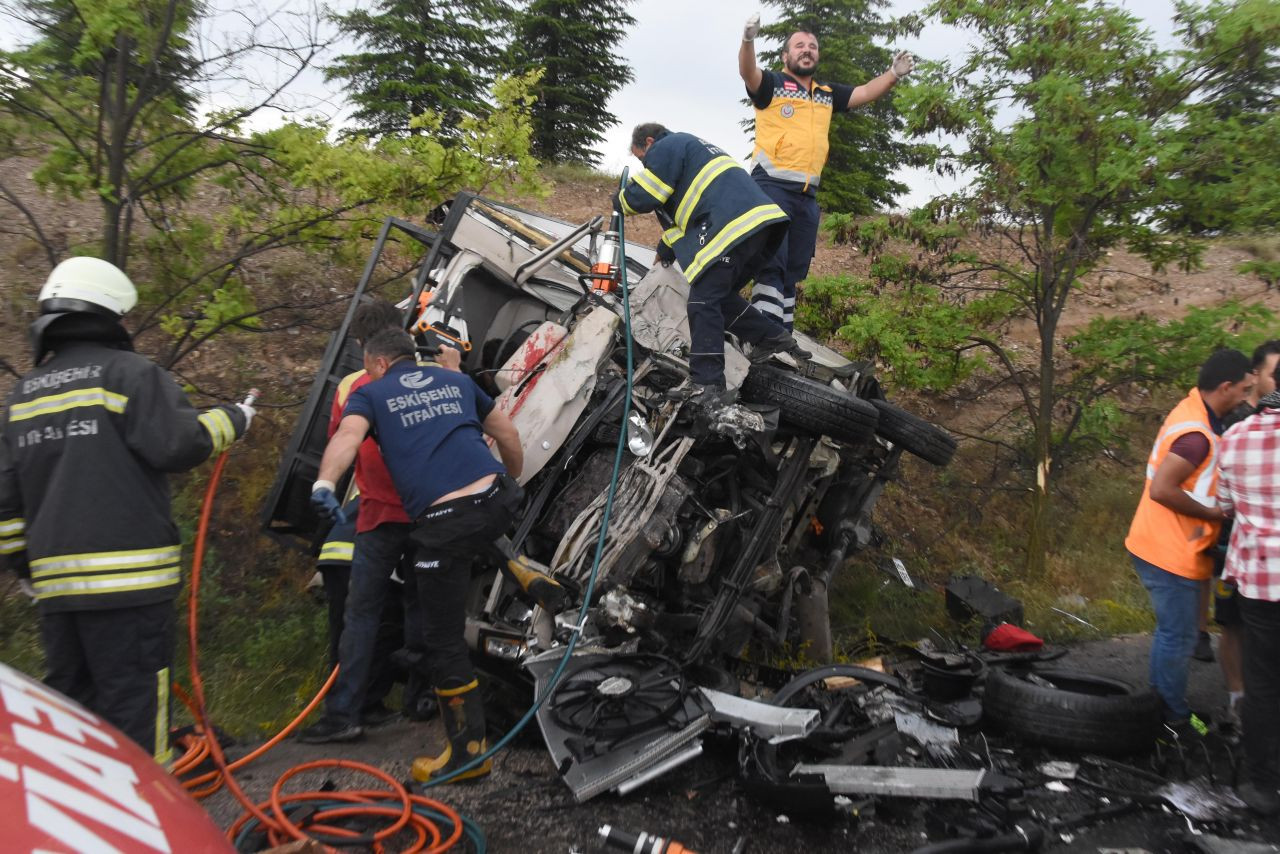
87	440
712	202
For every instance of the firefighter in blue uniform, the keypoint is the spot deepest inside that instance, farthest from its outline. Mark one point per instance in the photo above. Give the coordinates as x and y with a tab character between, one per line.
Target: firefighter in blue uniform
430	423
722	228
86	446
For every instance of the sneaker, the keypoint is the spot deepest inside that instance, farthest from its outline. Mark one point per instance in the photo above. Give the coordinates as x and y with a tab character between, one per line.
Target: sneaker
330	730
1191	729
1261	800
1204	648
768	348
377	715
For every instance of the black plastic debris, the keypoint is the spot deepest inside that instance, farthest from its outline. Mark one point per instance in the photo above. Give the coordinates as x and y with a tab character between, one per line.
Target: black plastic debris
969	596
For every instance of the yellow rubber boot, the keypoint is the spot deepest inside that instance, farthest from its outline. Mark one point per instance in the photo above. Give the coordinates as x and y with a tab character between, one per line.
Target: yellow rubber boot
462	713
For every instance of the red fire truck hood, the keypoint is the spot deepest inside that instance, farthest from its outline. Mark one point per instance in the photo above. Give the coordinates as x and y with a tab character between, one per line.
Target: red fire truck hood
69	781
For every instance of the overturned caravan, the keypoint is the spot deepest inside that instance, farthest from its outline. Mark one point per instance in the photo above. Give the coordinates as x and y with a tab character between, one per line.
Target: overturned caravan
727	526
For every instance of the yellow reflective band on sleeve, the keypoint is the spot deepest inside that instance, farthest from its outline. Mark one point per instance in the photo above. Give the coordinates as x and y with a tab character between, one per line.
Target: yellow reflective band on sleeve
13	546
627	210
11	536
109	400
131	582
653	185
714	168
671	235
217	423
163	753
338	551
732	233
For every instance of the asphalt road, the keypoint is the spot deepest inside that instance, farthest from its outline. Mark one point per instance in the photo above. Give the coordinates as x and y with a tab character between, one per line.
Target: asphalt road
523	806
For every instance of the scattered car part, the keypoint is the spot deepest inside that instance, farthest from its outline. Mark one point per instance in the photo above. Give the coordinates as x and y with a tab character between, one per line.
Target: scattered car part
623	745
930	783
1200	799
915	435
811	405
969	596
641	842
618	696
818	674
1074	710
946	682
1025	836
766	720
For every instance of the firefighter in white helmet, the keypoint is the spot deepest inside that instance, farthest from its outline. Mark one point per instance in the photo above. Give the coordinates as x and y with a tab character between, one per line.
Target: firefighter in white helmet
86	444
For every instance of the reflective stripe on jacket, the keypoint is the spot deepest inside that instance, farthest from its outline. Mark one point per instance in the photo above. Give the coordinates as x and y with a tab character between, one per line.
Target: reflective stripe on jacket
1172	541
85	448
712	204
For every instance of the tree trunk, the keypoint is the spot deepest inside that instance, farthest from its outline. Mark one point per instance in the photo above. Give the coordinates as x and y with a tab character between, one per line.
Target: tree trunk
1042	428
115	103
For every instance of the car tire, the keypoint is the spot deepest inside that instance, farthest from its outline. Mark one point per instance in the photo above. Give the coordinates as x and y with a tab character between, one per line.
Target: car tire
927	441
811	406
1081	711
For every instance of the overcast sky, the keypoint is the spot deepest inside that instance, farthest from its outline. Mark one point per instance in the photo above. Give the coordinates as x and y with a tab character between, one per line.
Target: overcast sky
684	54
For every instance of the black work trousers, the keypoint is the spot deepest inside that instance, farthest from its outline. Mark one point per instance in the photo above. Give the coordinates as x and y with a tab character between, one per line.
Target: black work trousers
116	662
448	537
1261	691
715	305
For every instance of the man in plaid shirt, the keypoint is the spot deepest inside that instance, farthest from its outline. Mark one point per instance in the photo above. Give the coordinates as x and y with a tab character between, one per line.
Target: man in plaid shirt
1249	487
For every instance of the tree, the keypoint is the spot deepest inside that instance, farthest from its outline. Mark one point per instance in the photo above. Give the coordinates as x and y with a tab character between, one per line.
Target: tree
1072	124
865	148
420	57
1224	128
576	45
103	102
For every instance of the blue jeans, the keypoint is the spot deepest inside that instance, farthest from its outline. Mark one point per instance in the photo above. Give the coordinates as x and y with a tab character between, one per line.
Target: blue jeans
774	291
376	555
1176	601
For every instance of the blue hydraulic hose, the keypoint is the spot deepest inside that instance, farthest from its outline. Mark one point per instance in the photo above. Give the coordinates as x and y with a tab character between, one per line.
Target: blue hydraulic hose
604	523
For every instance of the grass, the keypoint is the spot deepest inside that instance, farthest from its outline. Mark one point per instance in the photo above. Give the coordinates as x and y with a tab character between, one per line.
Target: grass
576	173
940	525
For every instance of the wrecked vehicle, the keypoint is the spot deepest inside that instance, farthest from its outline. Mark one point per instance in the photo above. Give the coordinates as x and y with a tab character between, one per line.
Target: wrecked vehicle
726	531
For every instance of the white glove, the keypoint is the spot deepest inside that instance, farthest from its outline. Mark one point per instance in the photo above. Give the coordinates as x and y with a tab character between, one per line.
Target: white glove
752	28
249	412
903	64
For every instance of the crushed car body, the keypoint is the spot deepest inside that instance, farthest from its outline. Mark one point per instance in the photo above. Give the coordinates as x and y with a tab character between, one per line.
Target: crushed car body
726	530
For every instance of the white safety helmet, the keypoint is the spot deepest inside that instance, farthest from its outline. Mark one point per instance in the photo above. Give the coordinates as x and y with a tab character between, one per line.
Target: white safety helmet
87	284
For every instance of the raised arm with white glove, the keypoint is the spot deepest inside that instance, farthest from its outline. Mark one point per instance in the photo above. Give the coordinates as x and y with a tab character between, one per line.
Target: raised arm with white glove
903	64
